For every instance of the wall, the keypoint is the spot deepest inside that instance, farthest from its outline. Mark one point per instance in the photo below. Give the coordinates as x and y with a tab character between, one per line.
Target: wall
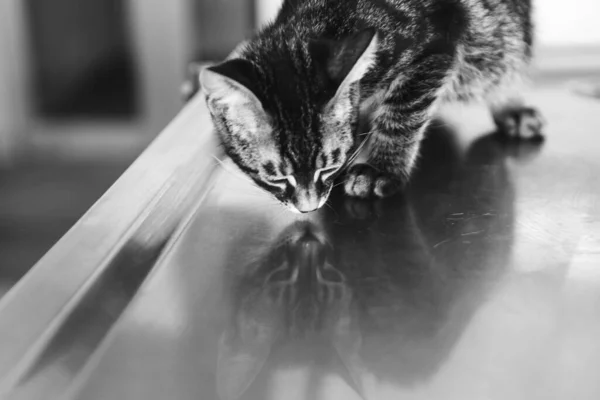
69	38
13	78
566	23
266	10
161	35
219	25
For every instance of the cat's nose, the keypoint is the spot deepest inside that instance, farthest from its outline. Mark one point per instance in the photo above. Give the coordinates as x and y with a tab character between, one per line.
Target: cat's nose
305	202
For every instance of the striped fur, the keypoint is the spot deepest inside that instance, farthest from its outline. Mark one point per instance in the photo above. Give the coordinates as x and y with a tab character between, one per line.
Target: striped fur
292	106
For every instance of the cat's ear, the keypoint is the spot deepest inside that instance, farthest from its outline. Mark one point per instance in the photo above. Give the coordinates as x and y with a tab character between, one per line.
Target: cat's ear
230	93
231	82
343	62
289	6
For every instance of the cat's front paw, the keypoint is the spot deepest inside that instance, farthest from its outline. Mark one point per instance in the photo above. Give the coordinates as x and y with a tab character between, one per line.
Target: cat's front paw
364	181
520	122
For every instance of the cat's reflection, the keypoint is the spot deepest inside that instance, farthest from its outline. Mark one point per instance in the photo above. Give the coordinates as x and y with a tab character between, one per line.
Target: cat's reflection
291	290
390	284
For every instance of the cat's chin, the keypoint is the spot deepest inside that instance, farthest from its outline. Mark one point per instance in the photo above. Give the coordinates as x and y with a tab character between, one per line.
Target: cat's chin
308	207
296	210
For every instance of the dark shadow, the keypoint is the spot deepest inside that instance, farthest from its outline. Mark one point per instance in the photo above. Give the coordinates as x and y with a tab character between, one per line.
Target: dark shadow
82	59
388	286
80	334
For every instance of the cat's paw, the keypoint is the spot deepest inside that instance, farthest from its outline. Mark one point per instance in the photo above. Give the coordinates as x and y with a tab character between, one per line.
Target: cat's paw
520	123
365	181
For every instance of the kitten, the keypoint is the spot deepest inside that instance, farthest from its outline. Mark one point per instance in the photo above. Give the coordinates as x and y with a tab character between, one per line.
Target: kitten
329	78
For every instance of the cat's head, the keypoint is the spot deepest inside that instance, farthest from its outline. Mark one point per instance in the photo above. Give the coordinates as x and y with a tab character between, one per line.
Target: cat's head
287	113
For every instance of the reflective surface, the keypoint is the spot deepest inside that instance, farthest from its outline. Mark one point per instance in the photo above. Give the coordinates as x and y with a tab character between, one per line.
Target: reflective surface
481	281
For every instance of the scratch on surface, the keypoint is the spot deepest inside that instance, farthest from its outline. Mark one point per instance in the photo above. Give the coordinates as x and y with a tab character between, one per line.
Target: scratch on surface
455	217
441	243
472	233
463	217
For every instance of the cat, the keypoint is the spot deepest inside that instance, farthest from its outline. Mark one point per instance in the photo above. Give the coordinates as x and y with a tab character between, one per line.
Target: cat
329	79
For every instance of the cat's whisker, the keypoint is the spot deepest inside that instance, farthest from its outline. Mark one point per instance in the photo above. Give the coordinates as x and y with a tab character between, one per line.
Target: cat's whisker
230	171
258	191
332	209
275	208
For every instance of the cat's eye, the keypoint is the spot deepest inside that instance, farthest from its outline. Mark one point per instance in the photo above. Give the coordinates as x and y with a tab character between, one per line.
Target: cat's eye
291	180
324	173
284	180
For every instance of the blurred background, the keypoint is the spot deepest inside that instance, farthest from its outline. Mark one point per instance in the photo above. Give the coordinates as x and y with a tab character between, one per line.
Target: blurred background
85	85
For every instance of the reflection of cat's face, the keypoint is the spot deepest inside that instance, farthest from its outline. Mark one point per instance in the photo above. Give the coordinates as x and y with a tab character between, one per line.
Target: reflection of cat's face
291	290
297	277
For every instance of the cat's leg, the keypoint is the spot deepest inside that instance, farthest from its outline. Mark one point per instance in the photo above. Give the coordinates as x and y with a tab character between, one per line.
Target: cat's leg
397	128
514	118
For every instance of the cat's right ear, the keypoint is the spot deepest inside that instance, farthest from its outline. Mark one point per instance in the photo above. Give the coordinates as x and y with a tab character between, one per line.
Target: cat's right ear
231	83
343	62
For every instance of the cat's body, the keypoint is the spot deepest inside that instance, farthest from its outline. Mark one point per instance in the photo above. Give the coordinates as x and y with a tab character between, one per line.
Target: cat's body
292	105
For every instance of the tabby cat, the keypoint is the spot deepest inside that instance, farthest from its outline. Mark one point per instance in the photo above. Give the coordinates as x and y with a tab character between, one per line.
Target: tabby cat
328	80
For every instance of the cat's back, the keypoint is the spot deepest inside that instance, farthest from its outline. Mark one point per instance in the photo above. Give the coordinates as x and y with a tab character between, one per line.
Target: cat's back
453	19
490	40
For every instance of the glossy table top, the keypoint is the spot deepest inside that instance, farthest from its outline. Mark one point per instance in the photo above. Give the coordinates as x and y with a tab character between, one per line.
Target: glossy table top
480	281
